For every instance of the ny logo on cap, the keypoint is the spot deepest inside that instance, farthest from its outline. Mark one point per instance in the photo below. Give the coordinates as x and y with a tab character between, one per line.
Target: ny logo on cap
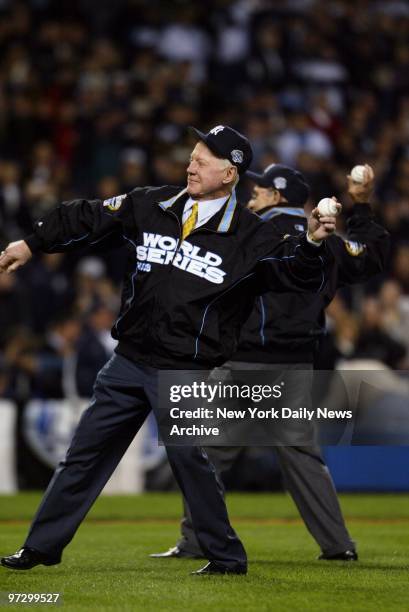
217	129
237	156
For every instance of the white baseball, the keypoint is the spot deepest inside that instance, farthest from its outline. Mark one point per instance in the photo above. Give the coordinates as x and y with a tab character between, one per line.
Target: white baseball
327	207
358	174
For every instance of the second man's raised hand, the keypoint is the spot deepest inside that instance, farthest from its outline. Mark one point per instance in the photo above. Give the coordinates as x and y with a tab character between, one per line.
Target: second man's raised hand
362	192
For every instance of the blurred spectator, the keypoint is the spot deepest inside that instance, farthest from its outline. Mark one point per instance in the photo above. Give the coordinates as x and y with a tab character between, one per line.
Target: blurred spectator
48	364
394	307
95	347
133	169
184	40
45	179
400	268
373	342
301	137
14	307
14	215
92	286
48	289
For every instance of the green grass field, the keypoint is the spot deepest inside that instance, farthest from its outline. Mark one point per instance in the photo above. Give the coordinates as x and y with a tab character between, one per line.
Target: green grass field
107	567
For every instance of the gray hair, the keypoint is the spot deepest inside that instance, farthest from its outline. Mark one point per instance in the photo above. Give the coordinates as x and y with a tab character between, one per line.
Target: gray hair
225	164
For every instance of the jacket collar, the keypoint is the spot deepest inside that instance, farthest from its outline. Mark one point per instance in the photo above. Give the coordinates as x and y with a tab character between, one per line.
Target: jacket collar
165	204
224	221
282	210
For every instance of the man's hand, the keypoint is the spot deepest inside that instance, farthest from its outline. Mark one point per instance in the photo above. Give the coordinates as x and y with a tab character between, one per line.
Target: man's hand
319	227
362	192
15	255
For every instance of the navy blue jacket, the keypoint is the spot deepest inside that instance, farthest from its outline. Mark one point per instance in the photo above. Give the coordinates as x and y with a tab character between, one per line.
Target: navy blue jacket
285	327
184	302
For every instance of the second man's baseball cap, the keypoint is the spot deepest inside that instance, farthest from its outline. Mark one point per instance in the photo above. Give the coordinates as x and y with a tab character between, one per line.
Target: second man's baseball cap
289	182
227	143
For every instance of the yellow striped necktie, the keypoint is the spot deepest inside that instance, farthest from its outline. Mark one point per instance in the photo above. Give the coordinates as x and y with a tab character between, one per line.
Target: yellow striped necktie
191	221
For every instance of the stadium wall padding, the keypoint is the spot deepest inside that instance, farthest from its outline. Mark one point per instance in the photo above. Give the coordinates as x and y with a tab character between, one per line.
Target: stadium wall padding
369	468
8	472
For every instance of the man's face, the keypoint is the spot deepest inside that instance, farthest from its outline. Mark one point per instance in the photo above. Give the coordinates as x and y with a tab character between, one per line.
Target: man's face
207	174
263	197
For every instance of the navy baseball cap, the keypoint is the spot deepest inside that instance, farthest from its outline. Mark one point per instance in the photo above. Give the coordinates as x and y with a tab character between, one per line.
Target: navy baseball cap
289	182
226	143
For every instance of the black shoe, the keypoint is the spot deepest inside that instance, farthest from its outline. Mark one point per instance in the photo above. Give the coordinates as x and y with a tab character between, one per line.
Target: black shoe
345	555
26	558
176	553
213	568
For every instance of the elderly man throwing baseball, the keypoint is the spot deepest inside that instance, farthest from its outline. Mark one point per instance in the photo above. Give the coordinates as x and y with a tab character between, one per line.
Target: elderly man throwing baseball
194	255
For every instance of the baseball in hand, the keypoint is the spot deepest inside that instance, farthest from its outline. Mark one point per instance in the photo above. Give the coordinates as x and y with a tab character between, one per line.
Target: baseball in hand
358	174
327	207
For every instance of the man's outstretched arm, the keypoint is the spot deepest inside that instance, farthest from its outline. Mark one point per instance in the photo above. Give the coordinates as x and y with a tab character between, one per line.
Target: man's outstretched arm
69	226
298	263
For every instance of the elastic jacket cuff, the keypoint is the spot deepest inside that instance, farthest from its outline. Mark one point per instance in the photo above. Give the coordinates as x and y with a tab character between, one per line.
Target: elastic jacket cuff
311	250
33	243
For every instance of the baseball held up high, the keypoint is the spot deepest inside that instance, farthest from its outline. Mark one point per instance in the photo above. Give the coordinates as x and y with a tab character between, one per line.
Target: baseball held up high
358	174
327	207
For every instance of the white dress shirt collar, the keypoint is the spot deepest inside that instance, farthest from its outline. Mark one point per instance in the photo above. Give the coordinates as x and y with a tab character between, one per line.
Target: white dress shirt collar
207	209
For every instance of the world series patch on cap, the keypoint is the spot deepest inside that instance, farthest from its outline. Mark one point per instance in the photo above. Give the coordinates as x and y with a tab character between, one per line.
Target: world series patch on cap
227	143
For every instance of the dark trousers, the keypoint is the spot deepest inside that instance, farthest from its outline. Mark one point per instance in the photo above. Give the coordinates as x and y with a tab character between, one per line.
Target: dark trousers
307	479
305	475
124	393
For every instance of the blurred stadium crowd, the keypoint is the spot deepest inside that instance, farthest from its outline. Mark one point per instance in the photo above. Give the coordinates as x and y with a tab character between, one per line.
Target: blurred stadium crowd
95	98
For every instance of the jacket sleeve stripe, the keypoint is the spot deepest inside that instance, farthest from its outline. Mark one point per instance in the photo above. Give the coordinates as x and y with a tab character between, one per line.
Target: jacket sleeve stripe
130	300
57	244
